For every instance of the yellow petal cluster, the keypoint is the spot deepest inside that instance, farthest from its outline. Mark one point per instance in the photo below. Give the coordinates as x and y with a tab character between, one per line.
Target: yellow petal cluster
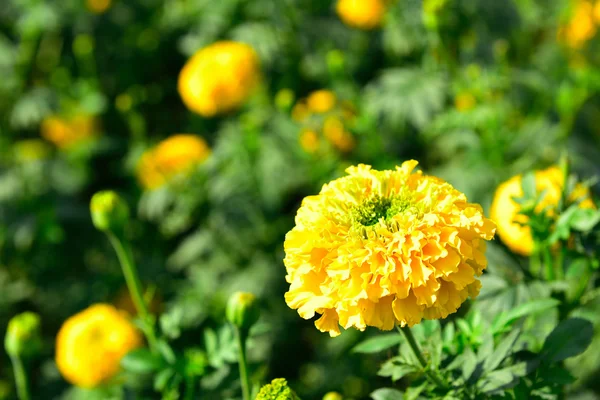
173	156
90	345
66	132
361	14
582	25
321	114
219	78
382	248
505	211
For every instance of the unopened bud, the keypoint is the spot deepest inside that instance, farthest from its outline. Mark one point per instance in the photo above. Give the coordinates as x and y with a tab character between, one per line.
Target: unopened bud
109	211
284	99
333	396
242	310
23	337
278	389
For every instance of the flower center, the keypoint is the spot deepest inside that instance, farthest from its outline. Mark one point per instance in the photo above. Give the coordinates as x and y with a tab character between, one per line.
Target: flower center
372	210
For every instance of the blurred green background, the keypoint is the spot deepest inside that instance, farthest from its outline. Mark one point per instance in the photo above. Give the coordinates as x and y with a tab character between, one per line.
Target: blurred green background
476	90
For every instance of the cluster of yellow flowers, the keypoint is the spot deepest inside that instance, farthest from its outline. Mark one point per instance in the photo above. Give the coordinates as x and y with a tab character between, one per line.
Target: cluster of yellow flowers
505	211
219	78
66	132
382	248
173	156
361	14
582	25
321	111
90	345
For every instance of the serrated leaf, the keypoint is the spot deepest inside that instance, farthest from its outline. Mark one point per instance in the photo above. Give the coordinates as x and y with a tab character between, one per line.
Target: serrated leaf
387	394
570	338
502	351
141	361
497	380
377	343
532	307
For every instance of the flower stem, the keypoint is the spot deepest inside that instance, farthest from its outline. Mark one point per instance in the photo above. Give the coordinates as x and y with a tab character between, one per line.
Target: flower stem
241	338
20	378
433	377
133	284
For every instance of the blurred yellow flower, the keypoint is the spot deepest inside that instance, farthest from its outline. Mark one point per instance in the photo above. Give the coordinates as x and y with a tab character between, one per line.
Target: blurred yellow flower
381	248
90	345
219	78
336	134
597	12
66	132
581	26
505	211
98	6
31	150
173	156
309	140
321	101
361	14
464	102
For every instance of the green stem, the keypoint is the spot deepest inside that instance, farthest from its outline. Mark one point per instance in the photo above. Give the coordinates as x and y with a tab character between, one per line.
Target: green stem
189	388
20	378
548	264
133	284
417	352
241	339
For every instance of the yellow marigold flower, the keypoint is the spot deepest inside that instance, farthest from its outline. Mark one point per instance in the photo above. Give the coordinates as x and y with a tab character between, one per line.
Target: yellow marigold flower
337	135
381	248
464	102
505	211
581	27
321	101
361	14
90	345
597	12
309	140
66	132
219	78
98	6
173	156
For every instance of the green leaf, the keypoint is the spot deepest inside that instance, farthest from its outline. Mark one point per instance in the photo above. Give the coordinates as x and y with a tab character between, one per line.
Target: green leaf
497	380
141	361
556	375
162	379
469	364
532	307
377	343
570	338
386	394
584	219
502	351
396	369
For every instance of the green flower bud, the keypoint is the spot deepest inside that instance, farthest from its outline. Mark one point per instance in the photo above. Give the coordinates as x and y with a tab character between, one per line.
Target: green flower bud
336	62
284	99
23	337
196	362
109	211
242	310
278	389
333	396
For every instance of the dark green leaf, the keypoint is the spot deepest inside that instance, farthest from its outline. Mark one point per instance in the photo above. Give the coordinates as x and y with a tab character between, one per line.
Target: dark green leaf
570	338
378	343
497	380
501	352
387	394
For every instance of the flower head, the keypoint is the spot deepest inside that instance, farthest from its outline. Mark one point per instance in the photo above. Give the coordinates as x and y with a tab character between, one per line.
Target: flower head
109	211
23	335
243	310
361	14
582	25
278	389
381	248
512	226
219	78
90	345
173	156
66	132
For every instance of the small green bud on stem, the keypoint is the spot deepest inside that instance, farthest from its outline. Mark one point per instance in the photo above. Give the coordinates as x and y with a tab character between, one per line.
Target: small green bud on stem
23	335
109	212
242	310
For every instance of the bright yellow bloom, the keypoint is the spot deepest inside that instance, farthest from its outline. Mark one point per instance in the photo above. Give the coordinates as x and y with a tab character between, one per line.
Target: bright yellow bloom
505	211
309	140
337	135
98	6
173	156
90	345
361	14
581	27
219	78
464	102
597	12
66	132
381	248
321	101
